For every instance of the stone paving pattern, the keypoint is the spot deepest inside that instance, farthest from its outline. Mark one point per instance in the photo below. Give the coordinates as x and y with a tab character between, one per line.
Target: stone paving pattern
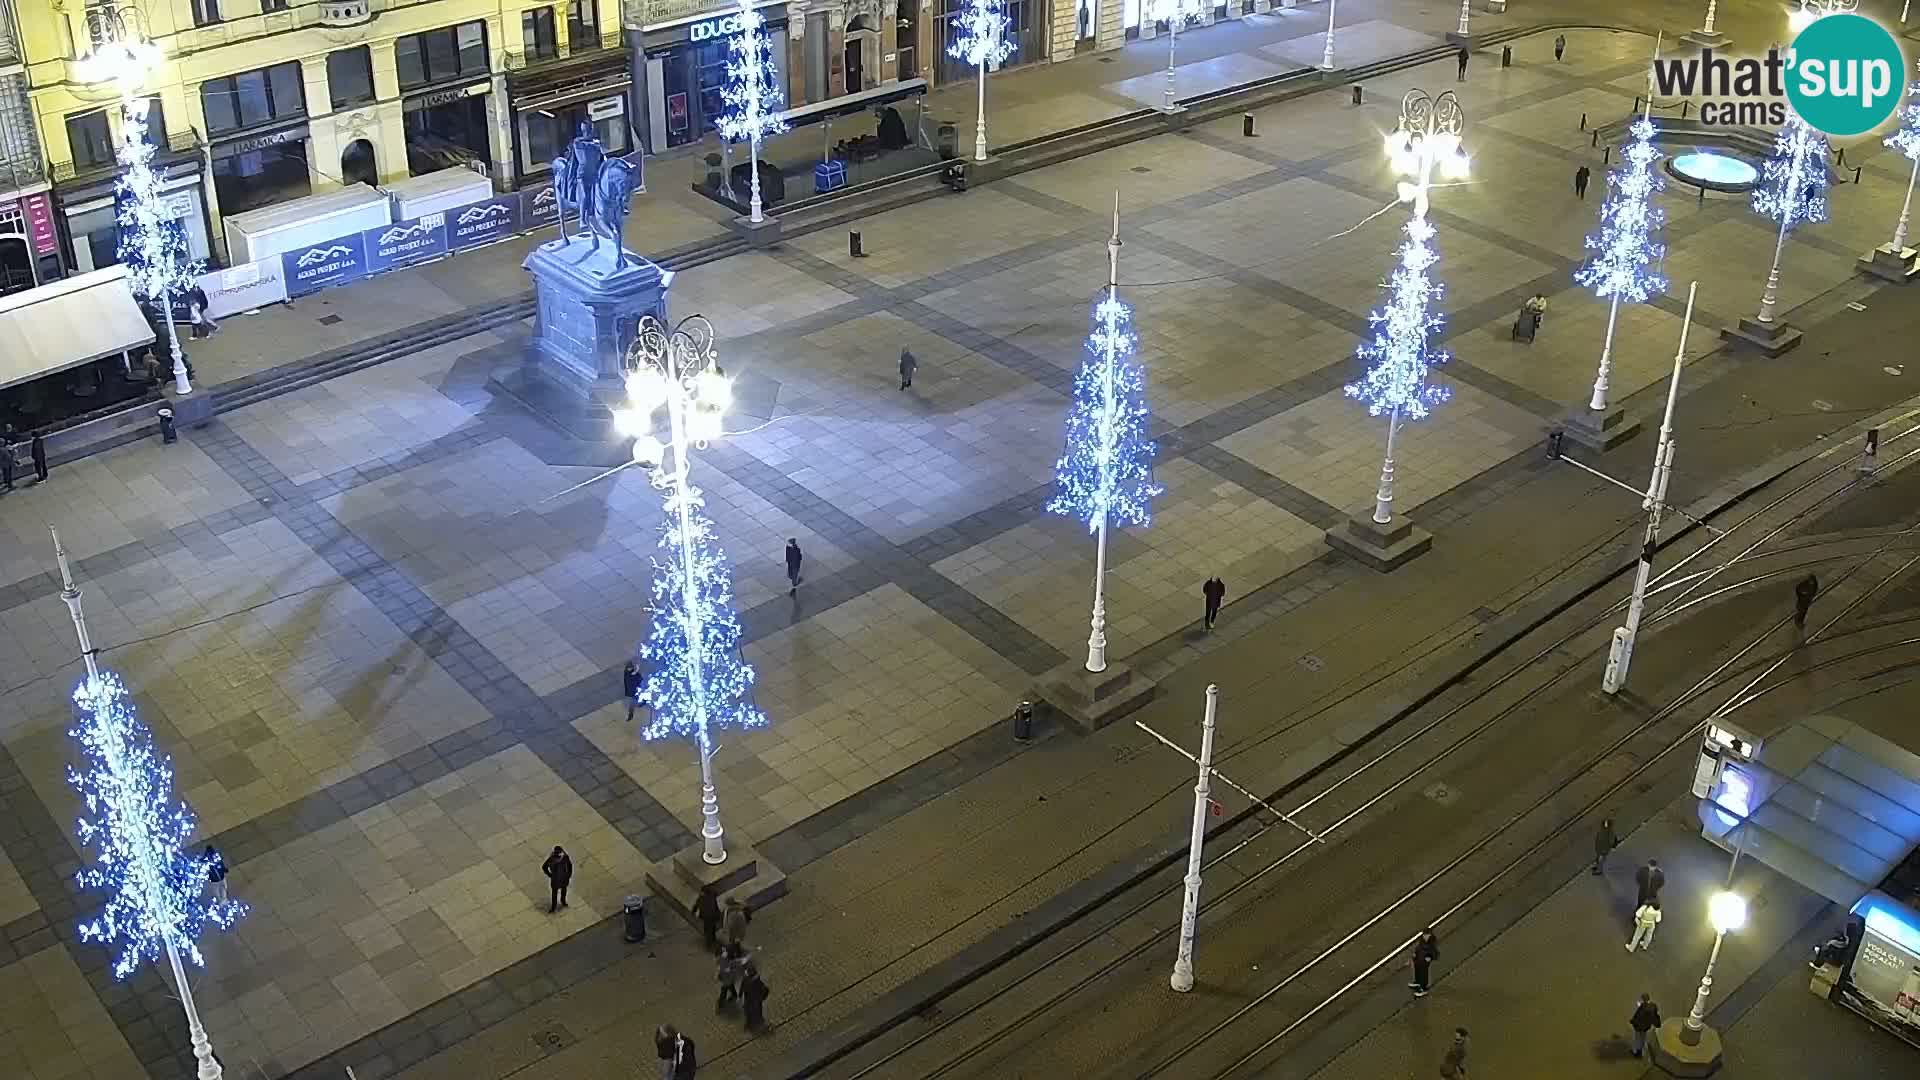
383	646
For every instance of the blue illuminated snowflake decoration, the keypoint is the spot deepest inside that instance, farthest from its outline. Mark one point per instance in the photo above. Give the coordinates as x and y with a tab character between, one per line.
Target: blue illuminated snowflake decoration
982	40
1398	356
139	833
697	681
1626	255
1793	181
752	96
1906	141
1105	474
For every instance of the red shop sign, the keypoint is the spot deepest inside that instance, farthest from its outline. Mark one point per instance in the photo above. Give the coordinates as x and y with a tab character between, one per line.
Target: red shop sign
39	213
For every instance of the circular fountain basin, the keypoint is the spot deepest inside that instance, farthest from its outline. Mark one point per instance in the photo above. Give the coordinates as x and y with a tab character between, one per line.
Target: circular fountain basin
1714	171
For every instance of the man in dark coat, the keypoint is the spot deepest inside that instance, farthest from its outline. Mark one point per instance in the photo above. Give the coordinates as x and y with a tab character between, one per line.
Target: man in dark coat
793	566
1804	591
630	686
559	871
6	460
1646	1017
38	449
753	998
1214	591
1426	949
735	921
1580	178
707	909
908	365
1604	842
1453	1066
1462	56
1650	879
1560	46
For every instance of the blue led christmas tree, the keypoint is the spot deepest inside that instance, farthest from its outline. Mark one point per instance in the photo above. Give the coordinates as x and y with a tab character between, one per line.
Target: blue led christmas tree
1399	354
982	41
1626	259
1792	191
1105	475
1906	143
752	95
139	833
152	245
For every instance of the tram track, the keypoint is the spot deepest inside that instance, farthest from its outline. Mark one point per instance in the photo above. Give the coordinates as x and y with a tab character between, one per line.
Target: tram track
1645	743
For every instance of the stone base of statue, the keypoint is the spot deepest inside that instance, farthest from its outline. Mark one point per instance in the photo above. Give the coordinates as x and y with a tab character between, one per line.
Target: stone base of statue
1887	264
1774	338
586	313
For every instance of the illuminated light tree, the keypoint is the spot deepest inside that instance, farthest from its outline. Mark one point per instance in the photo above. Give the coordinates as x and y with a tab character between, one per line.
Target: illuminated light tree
156	904
1401	350
1626	259
1792	191
983	26
697	682
1906	142
752	96
1105	474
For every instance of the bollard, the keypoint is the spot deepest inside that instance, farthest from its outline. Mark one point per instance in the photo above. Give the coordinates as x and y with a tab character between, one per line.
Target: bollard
853	244
1596	138
1583	121
1840	157
1506	56
1856	173
1869	457
1246	124
1685	107
168	434
1356	94
1607	158
1023	721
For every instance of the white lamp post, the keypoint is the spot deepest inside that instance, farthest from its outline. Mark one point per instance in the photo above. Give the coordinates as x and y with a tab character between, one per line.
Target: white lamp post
1182	979
120	54
678	369
982	42
1326	54
1727	911
1463	18
1177	13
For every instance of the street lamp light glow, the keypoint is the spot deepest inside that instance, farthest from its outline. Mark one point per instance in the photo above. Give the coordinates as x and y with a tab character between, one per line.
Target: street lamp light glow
1727	911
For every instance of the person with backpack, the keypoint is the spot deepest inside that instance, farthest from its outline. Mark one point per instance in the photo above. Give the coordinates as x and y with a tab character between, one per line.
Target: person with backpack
1646	1017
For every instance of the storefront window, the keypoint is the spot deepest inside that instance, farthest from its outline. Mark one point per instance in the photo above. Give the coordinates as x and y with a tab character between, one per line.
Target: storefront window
536	34
261	177
545	133
350	76
446	135
583	25
90	139
254	97
455	52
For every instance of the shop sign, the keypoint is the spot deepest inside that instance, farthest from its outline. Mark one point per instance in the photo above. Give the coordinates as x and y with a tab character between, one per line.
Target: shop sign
539	206
331	262
606	107
483	222
405	242
246	287
709	29
261	142
38	210
445	97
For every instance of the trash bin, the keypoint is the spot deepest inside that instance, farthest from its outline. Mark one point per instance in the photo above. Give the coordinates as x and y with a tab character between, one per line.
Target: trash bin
167	432
947	141
1023	721
635	909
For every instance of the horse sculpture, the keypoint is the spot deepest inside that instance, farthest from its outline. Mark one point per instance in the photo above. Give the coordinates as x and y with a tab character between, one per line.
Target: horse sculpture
564	195
597	189
611	197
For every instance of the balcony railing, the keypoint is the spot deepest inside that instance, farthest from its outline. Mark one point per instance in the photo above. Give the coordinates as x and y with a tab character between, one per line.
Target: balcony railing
521	60
179	144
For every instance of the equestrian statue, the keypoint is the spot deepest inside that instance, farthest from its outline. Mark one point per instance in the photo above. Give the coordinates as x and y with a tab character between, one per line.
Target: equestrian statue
596	189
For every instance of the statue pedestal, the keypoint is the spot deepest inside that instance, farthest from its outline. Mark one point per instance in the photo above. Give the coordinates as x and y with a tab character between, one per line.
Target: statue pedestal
587	312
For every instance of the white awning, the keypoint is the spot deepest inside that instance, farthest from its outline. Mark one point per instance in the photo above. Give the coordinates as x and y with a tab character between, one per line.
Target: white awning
68	323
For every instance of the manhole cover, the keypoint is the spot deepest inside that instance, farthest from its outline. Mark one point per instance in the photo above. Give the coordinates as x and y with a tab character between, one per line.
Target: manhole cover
552	1039
1313	663
1440	793
328	320
1141	169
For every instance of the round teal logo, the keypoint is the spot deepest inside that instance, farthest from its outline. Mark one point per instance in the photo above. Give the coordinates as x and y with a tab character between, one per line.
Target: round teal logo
1844	74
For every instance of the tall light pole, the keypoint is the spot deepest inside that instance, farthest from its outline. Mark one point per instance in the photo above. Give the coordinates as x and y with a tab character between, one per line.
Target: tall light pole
1727	911
1791	192
1427	140
122	55
1620	653
1182	979
156	904
1326	54
697	682
1177	14
983	26
1464	10
752	97
1906	141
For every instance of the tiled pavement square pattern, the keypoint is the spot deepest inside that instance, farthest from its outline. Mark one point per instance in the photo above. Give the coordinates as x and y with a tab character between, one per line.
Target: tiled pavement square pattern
383	647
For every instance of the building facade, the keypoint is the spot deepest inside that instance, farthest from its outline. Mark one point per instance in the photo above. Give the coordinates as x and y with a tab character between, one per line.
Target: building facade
263	101
27	234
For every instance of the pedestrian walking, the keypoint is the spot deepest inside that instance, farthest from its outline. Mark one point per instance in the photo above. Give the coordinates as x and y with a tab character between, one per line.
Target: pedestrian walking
1560	47
734	923
216	873
793	564
753	998
663	1037
1426	949
1646	1017
559	871
6	461
1804	591
706	908
203	324
1604	842
630	686
38	451
1214	590
907	367
1580	178
1462	56
1454	1065
677	1060
1645	918
1649	879
729	971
